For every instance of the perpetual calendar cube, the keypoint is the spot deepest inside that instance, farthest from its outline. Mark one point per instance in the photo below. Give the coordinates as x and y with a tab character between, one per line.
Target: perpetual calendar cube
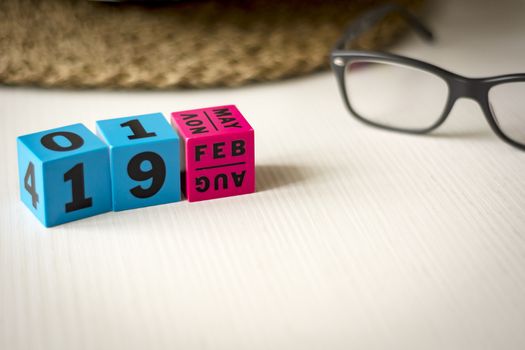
219	152
64	174
145	160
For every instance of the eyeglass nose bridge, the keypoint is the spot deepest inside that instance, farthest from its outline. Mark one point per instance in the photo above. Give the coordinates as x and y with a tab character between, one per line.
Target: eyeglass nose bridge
462	87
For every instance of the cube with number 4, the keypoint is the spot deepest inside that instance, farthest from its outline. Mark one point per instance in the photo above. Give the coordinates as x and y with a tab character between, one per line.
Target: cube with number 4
64	174
144	157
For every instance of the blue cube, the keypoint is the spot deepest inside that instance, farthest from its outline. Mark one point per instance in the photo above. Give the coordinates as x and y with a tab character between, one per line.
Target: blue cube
64	174
145	160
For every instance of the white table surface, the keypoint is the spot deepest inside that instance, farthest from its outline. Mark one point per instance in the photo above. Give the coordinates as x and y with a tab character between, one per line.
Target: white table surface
356	238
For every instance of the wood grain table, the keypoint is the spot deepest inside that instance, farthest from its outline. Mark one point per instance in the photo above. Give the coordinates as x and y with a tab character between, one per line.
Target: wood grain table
355	239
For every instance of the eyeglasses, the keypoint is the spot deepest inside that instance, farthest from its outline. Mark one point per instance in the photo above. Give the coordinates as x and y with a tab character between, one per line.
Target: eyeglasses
403	94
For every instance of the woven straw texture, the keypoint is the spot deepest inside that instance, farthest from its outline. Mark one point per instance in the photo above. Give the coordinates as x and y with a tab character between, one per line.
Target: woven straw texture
77	43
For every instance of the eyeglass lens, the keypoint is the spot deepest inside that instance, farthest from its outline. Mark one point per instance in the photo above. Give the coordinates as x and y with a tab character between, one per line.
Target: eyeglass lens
395	95
507	102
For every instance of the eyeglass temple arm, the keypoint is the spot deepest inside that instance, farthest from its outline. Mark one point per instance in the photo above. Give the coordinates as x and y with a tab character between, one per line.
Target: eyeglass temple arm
369	19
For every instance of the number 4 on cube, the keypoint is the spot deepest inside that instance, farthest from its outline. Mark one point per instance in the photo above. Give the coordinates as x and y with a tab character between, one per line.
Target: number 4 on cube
64	174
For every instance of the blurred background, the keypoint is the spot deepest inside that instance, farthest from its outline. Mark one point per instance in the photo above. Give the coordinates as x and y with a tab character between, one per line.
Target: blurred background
175	44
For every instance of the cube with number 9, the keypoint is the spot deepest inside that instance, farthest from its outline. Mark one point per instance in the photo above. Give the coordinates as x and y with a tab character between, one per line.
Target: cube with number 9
64	174
144	157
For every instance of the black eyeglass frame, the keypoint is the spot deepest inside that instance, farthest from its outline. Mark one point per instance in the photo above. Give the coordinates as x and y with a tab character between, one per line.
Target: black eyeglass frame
459	86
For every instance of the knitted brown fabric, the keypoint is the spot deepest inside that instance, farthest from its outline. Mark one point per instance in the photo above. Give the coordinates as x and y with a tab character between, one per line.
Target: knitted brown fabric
191	44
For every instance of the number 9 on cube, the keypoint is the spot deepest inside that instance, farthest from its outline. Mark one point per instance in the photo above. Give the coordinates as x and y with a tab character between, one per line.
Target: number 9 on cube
144	160
64	174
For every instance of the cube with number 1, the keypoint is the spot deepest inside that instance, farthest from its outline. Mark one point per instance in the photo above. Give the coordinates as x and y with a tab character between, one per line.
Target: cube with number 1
64	174
144	160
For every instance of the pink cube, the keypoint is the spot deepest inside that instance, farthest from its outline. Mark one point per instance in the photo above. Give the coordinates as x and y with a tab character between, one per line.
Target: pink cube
218	152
